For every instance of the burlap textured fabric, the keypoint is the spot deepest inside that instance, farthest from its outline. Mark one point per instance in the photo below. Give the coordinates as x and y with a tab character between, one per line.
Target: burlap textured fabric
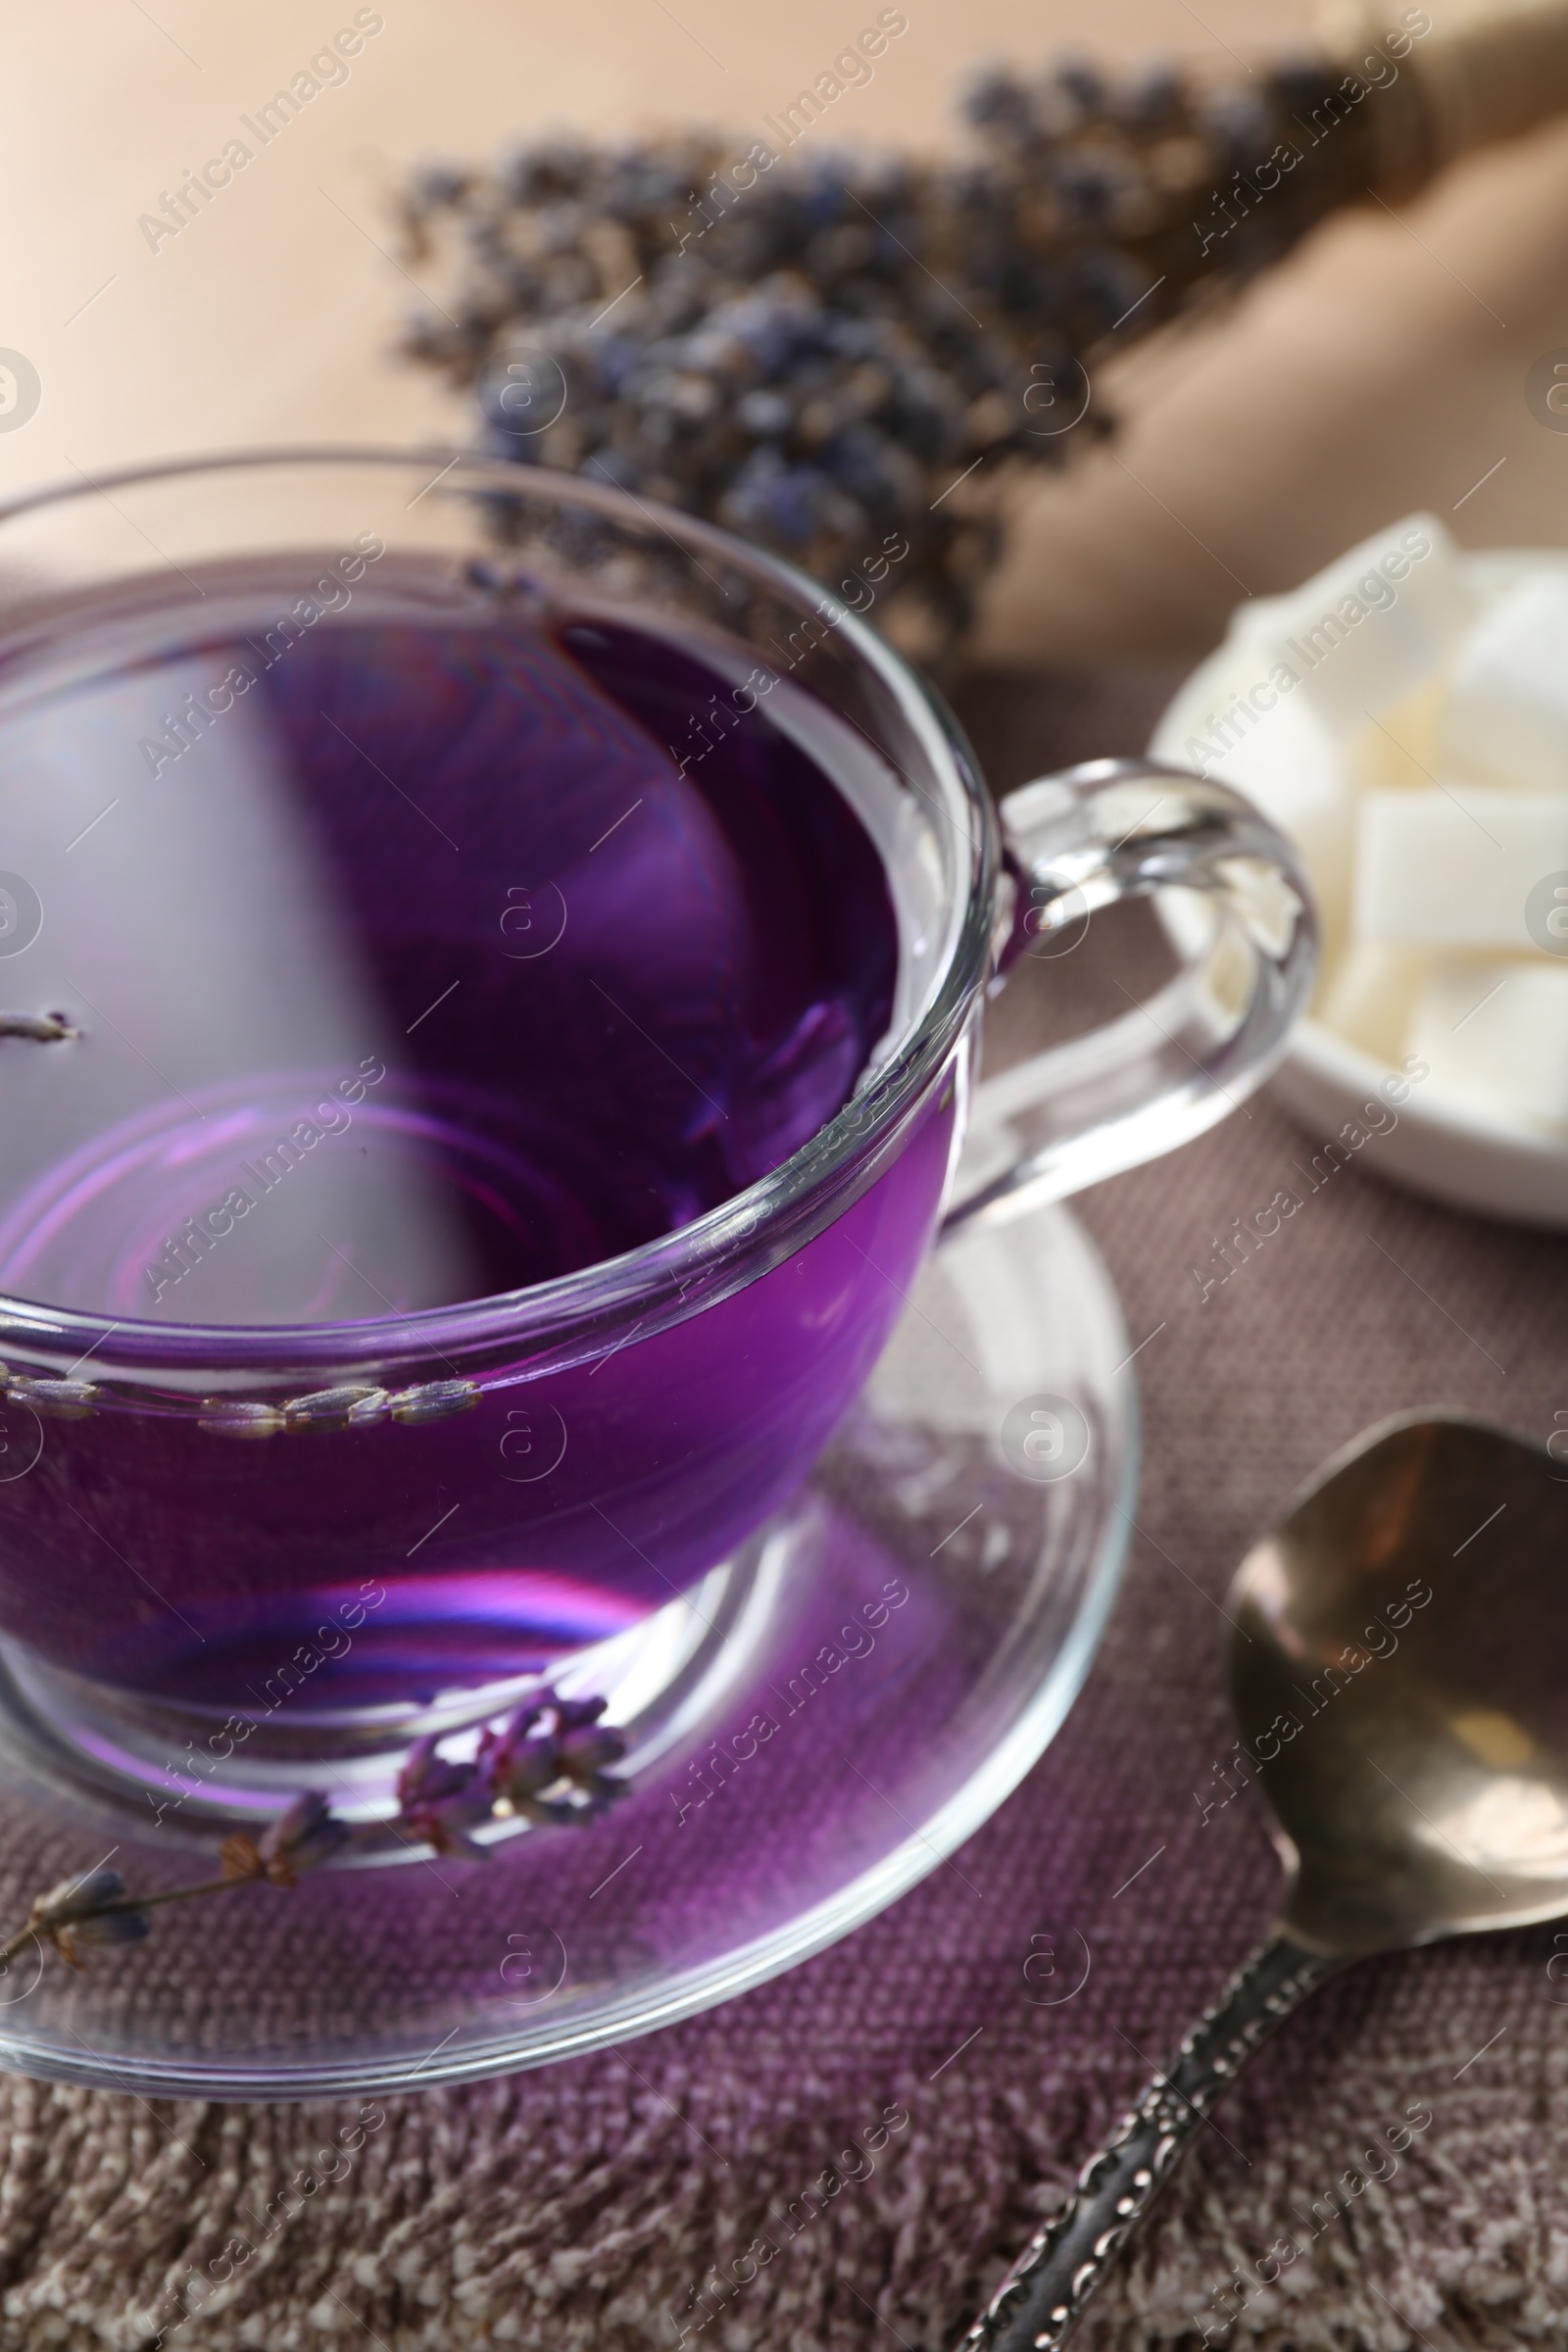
579	2209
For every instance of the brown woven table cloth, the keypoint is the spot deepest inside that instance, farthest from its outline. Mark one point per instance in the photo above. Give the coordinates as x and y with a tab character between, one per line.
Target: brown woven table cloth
951	2065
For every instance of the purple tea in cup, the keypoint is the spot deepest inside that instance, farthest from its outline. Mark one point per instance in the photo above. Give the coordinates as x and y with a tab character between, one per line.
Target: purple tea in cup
440	948
487	1005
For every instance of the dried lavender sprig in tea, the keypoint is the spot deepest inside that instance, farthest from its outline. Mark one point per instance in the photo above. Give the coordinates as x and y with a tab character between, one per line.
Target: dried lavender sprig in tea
549	1762
825	351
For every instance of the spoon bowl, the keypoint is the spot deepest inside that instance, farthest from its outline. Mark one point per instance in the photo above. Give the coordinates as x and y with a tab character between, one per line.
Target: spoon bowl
1399	1669
1399	1677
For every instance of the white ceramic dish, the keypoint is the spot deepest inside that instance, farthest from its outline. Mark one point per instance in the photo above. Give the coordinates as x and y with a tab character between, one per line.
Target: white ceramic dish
1458	1152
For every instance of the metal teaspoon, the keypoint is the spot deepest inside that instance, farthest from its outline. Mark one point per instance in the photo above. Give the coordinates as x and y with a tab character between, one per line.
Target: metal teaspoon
1399	1677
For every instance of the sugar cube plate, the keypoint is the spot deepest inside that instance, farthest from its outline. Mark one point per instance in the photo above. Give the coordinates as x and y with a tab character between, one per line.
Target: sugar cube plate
1403	716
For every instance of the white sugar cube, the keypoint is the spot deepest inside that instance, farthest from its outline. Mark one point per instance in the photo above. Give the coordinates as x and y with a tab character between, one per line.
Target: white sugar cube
1261	618
1372	627
1397	750
1508	713
1371	996
1497	1035
1289	766
1455	867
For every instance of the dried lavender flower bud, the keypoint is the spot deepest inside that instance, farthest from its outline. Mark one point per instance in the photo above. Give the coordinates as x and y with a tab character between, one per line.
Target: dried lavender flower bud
77	1899
103	1930
584	1753
433	1401
522	1770
429	1778
75	1914
572	1712
302	1838
441	1802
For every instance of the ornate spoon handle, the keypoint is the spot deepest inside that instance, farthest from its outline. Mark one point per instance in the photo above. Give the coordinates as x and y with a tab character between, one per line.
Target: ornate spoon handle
1044	2295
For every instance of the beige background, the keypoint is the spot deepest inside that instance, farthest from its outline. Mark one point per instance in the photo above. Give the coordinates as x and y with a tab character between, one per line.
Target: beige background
1382	369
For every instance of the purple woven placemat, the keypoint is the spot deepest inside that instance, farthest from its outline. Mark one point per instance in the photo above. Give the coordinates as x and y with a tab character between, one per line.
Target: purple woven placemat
882	2126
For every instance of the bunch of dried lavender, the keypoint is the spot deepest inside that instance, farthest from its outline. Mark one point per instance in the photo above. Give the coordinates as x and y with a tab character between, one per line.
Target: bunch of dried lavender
818	351
548	1761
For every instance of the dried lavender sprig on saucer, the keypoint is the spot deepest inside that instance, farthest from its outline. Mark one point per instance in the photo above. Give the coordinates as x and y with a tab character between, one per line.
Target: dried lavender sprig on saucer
556	1773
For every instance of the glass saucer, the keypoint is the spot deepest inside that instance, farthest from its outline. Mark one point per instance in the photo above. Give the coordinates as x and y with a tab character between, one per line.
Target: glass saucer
813	1728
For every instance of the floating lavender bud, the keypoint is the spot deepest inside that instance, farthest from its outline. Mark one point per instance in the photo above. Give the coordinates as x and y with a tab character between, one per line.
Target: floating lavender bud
226	1417
433	1401
336	1409
39	1028
64	1399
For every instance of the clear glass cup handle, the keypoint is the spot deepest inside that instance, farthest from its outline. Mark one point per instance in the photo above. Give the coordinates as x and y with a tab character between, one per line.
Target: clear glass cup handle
1241	917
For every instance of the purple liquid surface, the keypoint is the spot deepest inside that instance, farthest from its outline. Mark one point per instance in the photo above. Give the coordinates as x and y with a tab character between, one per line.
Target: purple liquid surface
606	995
450	955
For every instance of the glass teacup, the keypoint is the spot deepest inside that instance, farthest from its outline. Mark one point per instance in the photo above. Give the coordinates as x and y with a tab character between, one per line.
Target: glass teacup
490	987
